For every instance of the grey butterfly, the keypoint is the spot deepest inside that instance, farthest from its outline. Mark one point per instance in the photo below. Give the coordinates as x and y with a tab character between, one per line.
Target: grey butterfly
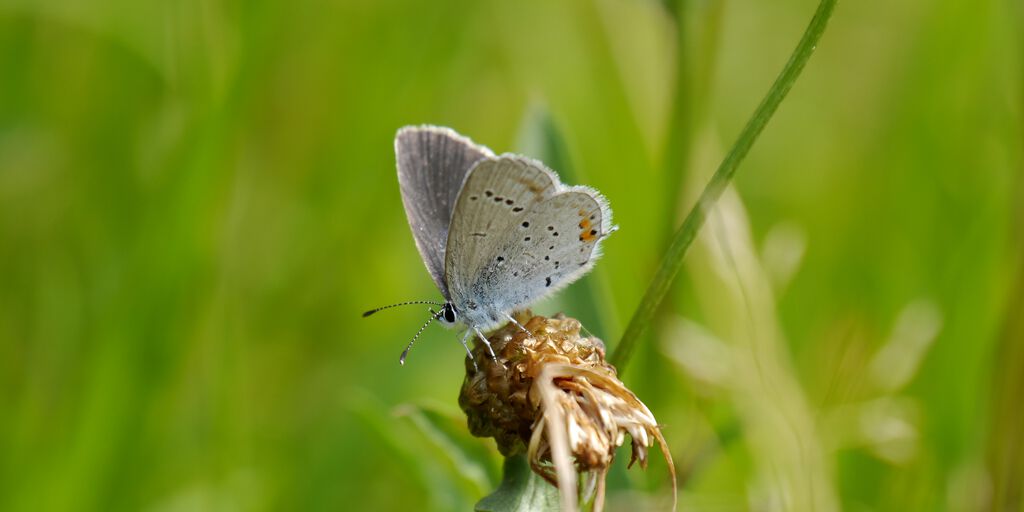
496	233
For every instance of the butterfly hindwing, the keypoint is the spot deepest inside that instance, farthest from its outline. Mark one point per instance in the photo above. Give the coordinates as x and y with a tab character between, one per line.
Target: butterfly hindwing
559	246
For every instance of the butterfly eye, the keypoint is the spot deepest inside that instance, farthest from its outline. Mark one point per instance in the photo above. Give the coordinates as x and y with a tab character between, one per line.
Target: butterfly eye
448	314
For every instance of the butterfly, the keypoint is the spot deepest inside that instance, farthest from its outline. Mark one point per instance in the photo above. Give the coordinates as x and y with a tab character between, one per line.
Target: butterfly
496	232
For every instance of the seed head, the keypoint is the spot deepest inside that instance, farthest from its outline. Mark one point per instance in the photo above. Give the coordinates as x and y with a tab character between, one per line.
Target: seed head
550	394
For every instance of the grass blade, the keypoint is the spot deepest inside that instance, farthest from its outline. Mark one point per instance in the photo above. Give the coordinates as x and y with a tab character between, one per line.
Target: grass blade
673	259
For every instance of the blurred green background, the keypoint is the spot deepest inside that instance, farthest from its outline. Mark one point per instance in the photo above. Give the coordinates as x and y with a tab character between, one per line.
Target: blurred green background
198	199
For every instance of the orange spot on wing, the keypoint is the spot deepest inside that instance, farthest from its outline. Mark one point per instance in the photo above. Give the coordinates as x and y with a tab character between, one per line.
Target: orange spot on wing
531	186
587	234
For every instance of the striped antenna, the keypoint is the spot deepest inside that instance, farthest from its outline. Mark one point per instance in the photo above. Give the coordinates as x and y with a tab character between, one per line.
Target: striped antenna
405	353
372	311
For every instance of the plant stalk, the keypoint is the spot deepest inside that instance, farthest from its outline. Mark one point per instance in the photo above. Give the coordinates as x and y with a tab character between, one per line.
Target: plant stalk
683	238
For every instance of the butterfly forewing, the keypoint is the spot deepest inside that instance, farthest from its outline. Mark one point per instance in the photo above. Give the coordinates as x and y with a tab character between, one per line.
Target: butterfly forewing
432	165
494	200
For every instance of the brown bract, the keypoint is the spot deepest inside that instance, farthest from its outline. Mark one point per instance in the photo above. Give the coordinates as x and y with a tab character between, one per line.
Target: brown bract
552	396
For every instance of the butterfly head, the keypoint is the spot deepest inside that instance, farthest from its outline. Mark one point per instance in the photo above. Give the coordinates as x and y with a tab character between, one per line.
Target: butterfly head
448	315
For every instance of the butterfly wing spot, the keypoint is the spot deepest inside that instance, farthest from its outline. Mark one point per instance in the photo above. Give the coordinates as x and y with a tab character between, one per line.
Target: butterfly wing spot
532	186
588	232
526	224
547	281
488	193
517	209
478	234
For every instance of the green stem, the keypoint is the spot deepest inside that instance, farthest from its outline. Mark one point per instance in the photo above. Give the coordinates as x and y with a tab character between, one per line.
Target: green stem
520	489
673	259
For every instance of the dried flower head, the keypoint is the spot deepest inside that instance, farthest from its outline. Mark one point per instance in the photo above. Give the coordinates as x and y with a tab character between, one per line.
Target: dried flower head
551	394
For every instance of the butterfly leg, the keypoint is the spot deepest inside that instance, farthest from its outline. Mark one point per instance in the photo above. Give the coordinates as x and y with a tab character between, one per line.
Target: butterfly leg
468	351
484	339
519	325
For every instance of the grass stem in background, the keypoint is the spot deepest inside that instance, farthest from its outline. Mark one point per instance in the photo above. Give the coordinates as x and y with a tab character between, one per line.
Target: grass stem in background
673	259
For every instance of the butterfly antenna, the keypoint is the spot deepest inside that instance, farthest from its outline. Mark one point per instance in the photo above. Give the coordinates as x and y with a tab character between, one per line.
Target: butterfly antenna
411	302
405	353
